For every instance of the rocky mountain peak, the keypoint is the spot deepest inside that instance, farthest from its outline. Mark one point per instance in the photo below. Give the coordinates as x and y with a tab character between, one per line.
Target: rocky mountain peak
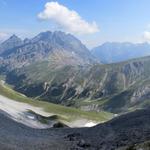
43	36
13	39
52	46
12	42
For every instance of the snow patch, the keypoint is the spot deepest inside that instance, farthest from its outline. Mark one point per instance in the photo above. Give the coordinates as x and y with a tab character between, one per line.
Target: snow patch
17	111
90	124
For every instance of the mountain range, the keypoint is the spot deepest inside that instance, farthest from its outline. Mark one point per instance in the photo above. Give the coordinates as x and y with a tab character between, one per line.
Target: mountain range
112	52
40	74
56	47
56	67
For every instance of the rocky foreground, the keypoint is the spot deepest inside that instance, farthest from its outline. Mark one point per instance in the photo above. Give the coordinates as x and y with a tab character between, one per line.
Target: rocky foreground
126	132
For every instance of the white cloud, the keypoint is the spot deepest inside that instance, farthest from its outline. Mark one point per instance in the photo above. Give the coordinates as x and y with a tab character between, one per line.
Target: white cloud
148	26
67	19
146	36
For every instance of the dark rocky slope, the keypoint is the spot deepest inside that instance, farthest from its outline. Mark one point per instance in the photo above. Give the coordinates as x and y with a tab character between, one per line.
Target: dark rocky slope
122	133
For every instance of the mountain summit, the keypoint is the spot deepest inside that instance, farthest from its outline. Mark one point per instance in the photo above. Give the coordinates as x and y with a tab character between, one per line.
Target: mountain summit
56	47
10	43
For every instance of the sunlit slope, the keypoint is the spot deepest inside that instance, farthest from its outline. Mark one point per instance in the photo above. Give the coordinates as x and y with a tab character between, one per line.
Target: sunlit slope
66	114
115	87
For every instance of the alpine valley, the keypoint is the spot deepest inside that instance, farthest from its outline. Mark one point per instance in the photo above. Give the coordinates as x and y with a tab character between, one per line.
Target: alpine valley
54	81
56	67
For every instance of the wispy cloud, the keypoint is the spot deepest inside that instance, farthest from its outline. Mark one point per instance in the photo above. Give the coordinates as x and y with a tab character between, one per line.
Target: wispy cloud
3	36
67	19
146	36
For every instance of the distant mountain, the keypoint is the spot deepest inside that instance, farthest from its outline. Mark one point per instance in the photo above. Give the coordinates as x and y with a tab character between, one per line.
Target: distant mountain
57	47
117	52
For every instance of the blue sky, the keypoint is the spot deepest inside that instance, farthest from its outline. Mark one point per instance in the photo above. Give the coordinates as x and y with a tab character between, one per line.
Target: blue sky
116	20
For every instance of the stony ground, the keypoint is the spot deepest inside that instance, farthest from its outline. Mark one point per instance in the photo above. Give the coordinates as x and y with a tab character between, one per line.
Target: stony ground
124	131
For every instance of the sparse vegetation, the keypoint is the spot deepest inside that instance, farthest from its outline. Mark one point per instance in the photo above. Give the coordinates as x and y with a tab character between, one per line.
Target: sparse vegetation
63	112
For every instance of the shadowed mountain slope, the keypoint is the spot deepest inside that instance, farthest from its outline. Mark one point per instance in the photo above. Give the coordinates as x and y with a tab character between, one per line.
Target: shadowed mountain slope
118	134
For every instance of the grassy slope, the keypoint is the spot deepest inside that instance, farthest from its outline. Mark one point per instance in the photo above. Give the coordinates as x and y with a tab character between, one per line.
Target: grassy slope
64	112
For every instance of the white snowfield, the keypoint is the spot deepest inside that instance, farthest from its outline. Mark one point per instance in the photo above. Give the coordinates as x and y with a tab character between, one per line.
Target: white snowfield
18	112
82	123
